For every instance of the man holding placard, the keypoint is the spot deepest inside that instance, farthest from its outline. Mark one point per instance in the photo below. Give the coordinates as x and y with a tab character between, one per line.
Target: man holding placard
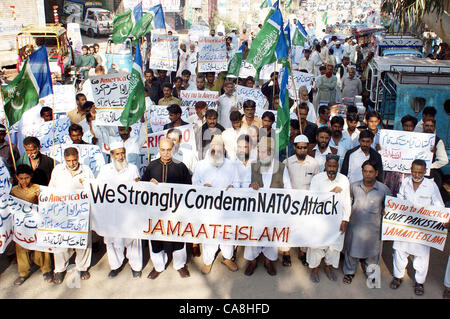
120	171
70	176
421	191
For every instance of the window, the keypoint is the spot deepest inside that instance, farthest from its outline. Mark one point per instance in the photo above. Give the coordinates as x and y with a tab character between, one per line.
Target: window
417	104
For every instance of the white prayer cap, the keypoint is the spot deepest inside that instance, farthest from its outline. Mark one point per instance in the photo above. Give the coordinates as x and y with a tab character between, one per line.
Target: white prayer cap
116	145
338	42
301	139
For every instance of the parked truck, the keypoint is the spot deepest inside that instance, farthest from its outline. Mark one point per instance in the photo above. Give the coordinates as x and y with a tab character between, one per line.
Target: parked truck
92	18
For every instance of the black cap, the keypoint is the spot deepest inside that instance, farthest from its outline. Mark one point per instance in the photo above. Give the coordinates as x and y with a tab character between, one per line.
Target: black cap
174	108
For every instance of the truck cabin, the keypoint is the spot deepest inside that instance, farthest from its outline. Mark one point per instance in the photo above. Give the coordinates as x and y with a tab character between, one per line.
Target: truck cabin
406	89
401	45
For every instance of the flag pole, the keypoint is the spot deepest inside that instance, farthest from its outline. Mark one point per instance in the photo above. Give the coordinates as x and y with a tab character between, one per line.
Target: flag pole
296	95
167	42
146	133
7	132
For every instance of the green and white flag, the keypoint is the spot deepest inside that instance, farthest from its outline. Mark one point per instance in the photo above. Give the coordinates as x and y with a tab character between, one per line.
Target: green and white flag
143	26
300	35
135	106
122	26
288	4
325	17
262	51
234	66
33	82
265	4
20	95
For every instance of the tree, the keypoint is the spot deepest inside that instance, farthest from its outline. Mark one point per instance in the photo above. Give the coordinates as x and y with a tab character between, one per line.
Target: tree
433	13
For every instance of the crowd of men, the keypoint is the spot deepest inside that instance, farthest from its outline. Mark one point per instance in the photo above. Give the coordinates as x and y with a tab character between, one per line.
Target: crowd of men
235	148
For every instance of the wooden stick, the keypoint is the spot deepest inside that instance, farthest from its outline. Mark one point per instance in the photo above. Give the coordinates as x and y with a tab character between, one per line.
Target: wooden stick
296	96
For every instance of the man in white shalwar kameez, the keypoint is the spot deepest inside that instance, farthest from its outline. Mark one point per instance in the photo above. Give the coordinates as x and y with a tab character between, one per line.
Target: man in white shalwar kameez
71	176
421	191
330	181
219	172
267	173
120	171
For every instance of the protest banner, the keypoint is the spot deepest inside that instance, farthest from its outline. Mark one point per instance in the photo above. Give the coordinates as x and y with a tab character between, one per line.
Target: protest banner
409	222
164	52
44	132
6	222
189	98
300	79
5	176
212	55
187	213
159	116
245	93
110	95
90	155
187	141
24	222
63	218
64	99
400	148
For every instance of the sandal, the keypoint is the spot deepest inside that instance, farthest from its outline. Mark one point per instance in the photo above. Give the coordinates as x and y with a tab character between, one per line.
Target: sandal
85	275
419	290
286	261
348	279
20	280
314	277
59	277
395	283
330	273
48	277
446	294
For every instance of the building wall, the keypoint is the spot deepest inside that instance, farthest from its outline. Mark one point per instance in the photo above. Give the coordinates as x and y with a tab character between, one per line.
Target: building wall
25	14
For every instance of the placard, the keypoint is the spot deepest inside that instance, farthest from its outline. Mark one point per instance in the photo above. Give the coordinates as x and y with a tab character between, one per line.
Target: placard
164	52
400	148
63	218
405	221
212	55
110	94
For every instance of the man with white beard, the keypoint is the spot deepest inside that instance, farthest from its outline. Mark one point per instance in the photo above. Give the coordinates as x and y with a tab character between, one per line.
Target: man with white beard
71	176
266	173
218	172
120	171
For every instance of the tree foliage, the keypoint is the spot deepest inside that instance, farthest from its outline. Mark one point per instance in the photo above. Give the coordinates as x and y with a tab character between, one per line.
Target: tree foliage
411	12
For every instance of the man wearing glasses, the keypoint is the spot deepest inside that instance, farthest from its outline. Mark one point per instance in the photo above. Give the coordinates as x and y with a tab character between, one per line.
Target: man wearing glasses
301	168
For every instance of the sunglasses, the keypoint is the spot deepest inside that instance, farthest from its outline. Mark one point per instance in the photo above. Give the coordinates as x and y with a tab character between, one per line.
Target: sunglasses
302	147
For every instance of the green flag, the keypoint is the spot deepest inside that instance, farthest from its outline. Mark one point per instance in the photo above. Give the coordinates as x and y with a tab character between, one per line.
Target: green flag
20	95
135	106
325	17
298	39
234	66
264	4
122	26
288	4
262	51
143	26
